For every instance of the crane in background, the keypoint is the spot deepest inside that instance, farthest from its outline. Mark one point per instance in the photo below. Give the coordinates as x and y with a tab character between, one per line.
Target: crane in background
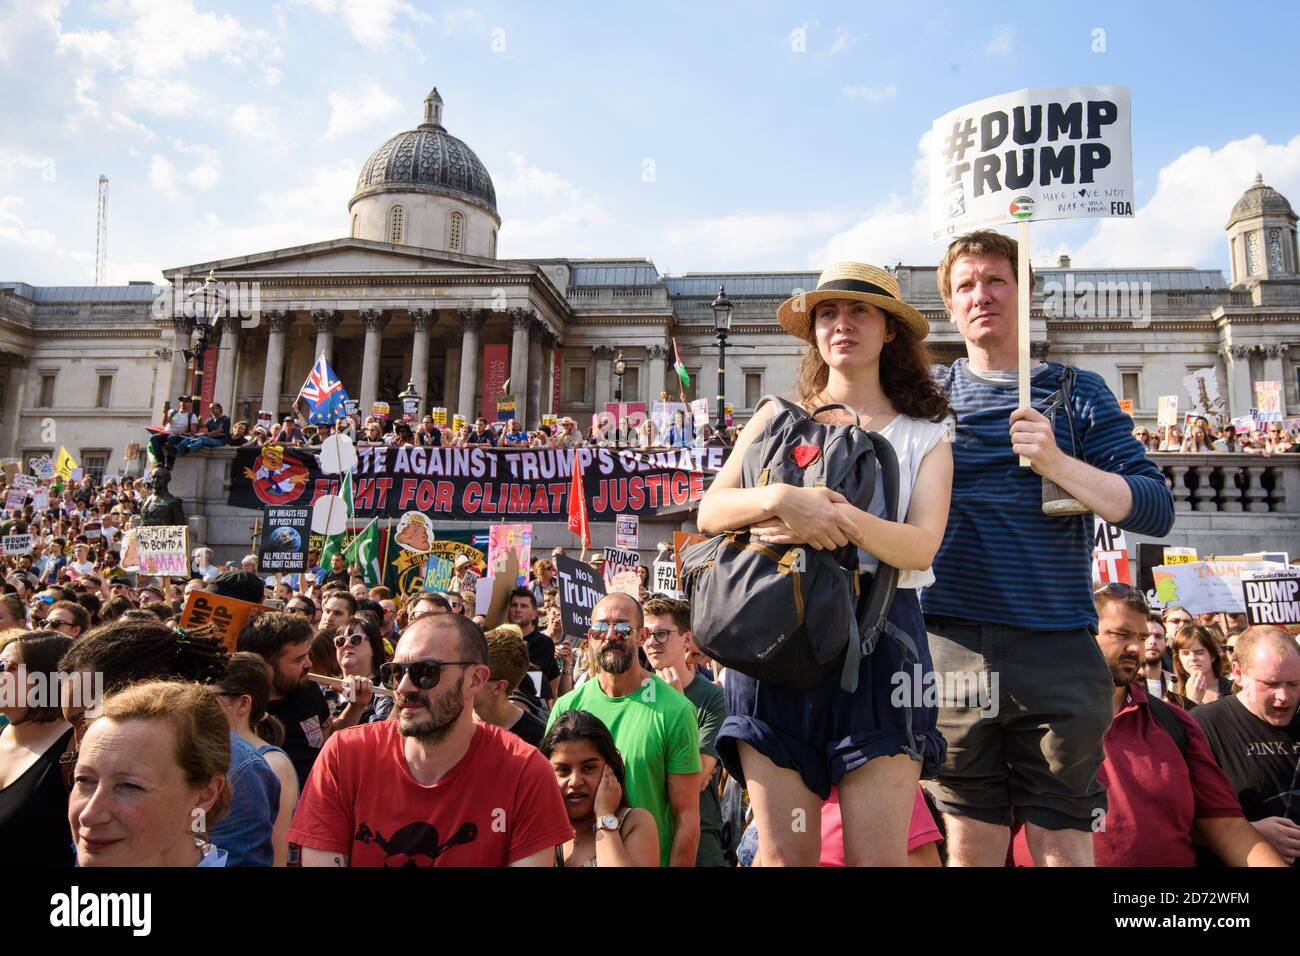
101	232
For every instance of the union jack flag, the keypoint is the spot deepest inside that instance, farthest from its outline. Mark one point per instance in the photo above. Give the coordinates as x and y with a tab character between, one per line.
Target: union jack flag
323	393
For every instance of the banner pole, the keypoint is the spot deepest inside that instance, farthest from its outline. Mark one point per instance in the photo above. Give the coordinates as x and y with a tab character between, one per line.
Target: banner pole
1025	290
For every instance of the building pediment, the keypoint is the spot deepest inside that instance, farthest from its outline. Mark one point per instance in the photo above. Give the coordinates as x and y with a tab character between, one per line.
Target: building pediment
349	257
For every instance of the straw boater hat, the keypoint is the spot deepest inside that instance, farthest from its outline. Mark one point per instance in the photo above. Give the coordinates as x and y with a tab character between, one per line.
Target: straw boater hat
850	280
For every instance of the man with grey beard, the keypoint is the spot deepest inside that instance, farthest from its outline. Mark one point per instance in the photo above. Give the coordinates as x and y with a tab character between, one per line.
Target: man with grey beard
430	786
653	725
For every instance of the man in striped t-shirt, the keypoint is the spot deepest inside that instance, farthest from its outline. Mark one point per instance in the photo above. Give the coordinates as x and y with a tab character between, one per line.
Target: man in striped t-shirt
1011	609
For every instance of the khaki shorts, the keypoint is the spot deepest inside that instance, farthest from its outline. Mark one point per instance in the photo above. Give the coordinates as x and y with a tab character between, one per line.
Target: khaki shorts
1029	749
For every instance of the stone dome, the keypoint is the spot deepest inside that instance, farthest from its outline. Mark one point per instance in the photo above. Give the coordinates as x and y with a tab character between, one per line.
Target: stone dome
1261	200
427	159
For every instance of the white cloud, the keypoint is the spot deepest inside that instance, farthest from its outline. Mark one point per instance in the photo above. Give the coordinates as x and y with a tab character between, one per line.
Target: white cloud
372	23
14	162
1183	222
546	215
258	122
13	229
729	241
1002	42
526	182
202	175
870	94
349	113
161	97
891	231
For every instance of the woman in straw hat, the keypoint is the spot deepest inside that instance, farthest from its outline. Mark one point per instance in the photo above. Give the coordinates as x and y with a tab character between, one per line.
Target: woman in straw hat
866	351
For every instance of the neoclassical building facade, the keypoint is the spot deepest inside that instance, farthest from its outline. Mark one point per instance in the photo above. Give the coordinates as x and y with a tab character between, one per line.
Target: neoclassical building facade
415	295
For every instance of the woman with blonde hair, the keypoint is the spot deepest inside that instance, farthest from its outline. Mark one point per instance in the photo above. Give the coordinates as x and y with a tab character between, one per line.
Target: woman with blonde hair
151	779
865	353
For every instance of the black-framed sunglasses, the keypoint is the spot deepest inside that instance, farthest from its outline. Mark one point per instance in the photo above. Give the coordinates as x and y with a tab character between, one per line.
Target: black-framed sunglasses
343	640
425	674
599	629
50	622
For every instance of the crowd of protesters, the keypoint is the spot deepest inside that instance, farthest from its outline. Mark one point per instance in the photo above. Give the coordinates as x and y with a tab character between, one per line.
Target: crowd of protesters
1201	437
346	725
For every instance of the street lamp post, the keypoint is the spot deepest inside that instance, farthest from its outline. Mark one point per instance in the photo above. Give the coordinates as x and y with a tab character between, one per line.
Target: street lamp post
620	367
206	321
722	325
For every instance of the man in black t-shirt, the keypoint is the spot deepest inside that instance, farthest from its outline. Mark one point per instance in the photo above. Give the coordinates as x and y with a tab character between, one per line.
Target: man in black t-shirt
338	573
284	640
508	660
1255	735
482	436
522	612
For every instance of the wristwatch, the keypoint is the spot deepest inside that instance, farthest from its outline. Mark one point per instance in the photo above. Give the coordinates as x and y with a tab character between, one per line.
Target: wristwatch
607	822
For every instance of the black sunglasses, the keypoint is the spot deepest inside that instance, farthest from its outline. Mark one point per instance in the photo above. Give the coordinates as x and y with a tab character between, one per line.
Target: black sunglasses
424	674
1120	590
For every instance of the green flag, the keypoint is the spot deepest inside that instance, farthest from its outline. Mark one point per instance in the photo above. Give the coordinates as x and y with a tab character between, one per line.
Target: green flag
363	552
335	543
679	368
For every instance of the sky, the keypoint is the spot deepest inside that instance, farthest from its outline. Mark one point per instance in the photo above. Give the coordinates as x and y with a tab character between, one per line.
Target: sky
703	136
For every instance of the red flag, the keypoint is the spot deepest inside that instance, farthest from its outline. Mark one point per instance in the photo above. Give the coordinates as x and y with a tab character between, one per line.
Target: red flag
578	523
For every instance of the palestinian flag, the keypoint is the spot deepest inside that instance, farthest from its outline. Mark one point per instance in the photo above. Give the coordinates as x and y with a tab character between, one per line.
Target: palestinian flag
679	368
335	543
363	553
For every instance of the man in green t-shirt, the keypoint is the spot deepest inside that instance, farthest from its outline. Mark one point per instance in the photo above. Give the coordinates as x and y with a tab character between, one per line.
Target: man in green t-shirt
668	626
653	726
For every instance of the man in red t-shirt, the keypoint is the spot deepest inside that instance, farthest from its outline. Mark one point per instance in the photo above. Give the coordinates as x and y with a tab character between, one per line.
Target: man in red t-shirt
430	787
1157	796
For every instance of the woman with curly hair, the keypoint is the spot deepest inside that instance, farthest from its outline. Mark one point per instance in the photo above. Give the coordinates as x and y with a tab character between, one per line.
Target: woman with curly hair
865	351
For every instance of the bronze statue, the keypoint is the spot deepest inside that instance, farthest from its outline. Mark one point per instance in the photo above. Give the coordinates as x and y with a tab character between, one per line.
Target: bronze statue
161	508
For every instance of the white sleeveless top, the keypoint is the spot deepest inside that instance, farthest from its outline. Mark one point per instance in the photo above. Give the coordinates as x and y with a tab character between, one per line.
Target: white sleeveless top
912	440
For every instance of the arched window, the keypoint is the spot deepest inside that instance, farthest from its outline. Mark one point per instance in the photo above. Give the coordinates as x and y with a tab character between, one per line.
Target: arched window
455	231
354	225
492	245
396	220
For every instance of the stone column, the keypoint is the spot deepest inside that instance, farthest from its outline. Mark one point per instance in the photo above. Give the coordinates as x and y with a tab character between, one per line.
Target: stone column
656	357
451	379
227	365
277	324
536	376
15	399
1240	395
523	320
326	321
1274	369
182	337
471	322
604	375
422	321
374	321
548	374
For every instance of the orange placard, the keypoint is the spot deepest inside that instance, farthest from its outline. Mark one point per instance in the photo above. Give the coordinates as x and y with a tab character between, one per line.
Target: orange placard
227	615
681	541
1126	406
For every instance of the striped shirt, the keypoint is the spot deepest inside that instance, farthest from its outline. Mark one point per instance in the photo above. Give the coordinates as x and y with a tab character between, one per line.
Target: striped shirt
1002	560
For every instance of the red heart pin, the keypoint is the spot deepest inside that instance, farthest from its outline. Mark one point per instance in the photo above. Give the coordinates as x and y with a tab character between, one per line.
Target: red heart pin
805	455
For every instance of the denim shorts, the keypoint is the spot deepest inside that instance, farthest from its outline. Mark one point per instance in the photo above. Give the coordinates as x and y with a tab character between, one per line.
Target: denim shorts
823	733
1032	753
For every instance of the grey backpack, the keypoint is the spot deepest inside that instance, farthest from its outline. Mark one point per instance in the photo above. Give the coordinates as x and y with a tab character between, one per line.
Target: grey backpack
788	613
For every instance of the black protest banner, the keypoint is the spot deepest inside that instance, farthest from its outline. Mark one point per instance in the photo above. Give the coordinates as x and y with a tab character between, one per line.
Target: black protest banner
581	589
1150	555
1272	597
470	483
285	536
